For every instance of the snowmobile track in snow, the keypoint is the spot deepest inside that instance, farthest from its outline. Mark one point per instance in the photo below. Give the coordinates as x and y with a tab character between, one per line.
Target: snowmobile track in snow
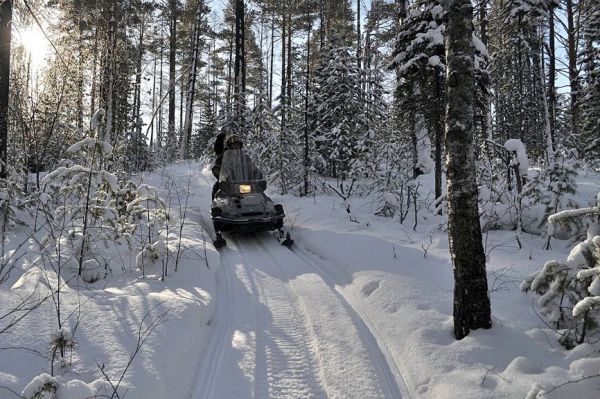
387	370
282	330
374	338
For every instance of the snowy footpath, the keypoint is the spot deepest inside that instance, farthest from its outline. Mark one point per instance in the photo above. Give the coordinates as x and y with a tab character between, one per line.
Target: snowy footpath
358	308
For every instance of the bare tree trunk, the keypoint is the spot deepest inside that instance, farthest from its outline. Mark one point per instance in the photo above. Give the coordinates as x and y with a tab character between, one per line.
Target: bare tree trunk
288	85
321	25
137	119
171	139
5	39
306	94
573	73
552	76
240	64
283	100
80	73
283	75
272	60
358	58
109	76
160	96
471	302
94	74
153	103
189	111
230	84
439	134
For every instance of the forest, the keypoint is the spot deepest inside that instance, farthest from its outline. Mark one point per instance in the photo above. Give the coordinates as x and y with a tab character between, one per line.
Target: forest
476	123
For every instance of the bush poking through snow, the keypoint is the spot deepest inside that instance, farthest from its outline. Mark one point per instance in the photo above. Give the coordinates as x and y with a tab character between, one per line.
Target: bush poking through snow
570	291
94	208
61	341
44	386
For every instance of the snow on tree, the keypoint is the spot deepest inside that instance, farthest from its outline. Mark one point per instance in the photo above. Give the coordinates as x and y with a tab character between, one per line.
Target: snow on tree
92	207
561	177
515	45
590	100
570	291
471	301
262	141
342	132
519	161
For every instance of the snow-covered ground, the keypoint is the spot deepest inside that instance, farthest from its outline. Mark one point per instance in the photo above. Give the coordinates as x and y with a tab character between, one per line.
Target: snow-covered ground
356	309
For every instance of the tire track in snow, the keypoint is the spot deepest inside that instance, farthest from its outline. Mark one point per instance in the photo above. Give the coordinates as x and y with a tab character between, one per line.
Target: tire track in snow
350	340
285	362
354	303
215	348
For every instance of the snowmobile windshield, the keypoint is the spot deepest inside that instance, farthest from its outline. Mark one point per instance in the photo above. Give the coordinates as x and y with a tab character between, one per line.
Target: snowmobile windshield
237	167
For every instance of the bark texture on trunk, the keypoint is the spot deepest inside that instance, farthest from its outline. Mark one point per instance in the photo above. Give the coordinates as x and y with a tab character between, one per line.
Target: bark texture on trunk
471	302
171	139
5	38
240	64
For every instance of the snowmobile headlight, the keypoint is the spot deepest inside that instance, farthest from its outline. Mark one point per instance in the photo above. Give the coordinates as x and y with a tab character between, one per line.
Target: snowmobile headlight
245	188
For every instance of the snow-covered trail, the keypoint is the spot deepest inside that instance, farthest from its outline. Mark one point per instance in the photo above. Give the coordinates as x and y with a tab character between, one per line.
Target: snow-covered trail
282	331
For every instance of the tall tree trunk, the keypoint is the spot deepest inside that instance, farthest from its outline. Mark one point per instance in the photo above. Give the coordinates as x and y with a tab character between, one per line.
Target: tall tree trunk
5	39
283	102
138	82
540	84
109	75
573	73
438	126
153	102
171	139
189	110
94	74
159	129
230	83
283	75
471	302
358	58
272	60
552	76
321	25
80	66
288	85
240	64
306	95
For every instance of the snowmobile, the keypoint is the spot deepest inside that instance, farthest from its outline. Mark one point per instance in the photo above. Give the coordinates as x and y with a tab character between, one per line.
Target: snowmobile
240	204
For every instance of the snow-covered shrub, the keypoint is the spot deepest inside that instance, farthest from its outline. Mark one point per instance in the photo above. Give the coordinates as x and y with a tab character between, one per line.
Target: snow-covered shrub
561	181
61	341
570	291
43	386
84	213
148	210
498	198
94	210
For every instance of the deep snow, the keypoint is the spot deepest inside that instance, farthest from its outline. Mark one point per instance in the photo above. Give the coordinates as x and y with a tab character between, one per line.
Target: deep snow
356	309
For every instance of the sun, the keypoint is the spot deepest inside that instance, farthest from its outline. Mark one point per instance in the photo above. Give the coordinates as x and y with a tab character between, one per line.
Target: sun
35	44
